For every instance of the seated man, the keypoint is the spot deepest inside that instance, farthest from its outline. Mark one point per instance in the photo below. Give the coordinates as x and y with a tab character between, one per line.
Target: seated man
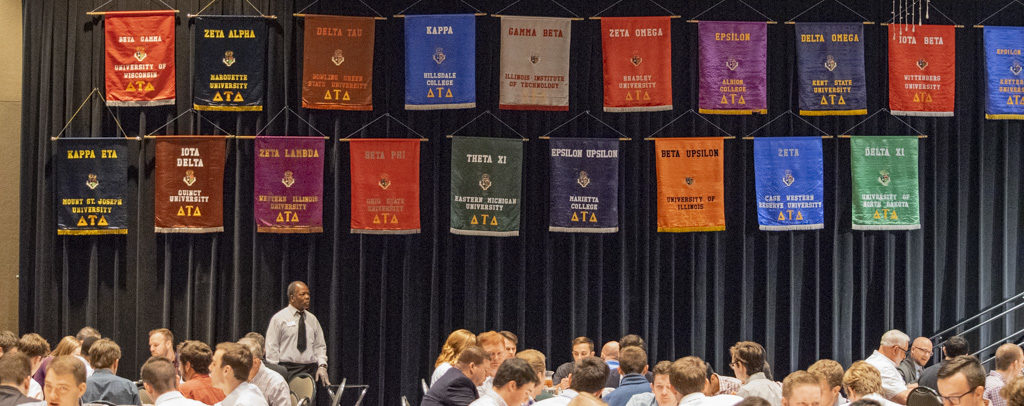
512	385
662	392
750	364
194	362
159	379
588	376
271	383
801	389
963	379
104	384
229	373
632	367
15	375
863	382
65	381
830	374
457	386
689	376
582	347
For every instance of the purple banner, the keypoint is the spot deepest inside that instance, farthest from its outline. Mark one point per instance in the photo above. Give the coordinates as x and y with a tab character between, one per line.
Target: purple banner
733	67
289	190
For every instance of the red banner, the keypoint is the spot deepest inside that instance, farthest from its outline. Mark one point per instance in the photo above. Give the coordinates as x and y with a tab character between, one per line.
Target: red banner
922	70
637	53
385	185
140	58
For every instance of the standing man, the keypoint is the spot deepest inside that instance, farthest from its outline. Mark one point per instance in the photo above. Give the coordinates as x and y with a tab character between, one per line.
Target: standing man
229	373
920	352
295	339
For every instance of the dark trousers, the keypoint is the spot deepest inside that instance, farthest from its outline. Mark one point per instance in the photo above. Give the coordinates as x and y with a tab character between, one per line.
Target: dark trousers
322	398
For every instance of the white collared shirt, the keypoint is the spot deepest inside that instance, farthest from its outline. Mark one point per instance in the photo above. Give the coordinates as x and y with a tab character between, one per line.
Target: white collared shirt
273	386
283	333
760	386
892	381
34	390
489	398
698	399
245	394
175	398
562	399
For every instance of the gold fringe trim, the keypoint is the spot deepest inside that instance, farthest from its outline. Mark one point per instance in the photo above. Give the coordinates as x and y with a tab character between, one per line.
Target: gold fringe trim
93	232
860	112
1004	116
227	108
289	230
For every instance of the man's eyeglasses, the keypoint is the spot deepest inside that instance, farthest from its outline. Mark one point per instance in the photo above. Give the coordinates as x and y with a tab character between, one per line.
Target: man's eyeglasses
955	400
923	350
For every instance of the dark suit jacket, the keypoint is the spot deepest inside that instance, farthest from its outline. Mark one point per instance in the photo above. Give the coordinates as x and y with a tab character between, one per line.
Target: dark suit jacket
453	389
930	376
614	378
10	395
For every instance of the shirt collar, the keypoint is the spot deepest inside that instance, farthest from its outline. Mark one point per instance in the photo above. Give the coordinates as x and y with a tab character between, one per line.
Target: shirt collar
754	377
693	397
497	398
292	309
882	356
168	397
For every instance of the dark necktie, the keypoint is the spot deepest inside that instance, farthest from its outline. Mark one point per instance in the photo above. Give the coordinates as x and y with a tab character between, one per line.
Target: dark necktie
301	343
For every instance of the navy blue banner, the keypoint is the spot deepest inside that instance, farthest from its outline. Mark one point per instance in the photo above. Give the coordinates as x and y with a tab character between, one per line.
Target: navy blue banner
1004	96
230	63
789	181
92	179
830	67
584	185
440	61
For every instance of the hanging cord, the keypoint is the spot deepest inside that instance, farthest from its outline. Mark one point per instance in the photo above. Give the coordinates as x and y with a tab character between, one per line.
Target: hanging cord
847	132
622	136
196	113
95	92
553	1
390	118
361	1
214	1
838	2
110	1
670	12
418	2
787	113
488	112
723	1
288	109
690	111
997	11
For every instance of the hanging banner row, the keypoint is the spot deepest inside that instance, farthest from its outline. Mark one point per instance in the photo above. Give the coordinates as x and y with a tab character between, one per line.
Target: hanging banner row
229	71
486	184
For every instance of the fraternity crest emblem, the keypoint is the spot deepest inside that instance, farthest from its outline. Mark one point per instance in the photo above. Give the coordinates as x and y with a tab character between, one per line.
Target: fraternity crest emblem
438	55
883	177
229	58
921	64
636	59
288	179
140	53
1015	68
583	180
384	182
338	57
190	177
534	59
732	63
830	63
93	181
689	180
485	182
788	179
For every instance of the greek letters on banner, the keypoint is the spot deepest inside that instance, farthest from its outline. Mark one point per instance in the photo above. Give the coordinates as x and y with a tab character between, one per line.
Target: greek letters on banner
691	184
487	180
337	63
1003	73
789	182
830	69
440	61
584	185
230	64
289	189
385	186
885	183
637	54
189	184
92	178
733	67
139	58
535	63
922	70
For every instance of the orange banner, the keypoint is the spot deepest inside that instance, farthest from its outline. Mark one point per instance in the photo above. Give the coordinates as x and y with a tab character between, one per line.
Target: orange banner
691	184
385	185
637	55
922	70
337	63
139	58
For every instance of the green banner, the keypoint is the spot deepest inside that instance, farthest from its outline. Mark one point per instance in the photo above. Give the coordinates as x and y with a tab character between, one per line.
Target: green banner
487	179
885	185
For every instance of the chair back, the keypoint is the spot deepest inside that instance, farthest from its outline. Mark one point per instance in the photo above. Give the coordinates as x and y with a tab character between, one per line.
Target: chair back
423	383
303	386
144	397
295	400
923	396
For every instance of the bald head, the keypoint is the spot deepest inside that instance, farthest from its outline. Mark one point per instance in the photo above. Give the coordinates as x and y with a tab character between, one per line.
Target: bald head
921	350
610	351
1009	359
298	295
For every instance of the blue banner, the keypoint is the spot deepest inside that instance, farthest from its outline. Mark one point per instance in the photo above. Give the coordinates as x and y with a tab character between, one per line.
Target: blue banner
92	185
790	192
584	185
1004	98
440	61
830	69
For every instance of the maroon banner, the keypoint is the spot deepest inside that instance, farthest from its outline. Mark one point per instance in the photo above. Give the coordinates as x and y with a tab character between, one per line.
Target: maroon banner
289	190
337	63
188	195
139	58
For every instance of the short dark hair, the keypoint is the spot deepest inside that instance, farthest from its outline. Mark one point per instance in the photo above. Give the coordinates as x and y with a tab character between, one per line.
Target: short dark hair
87	344
759	401
33	345
751	355
14	368
87	332
631	340
159	372
104	353
589	375
197	354
662	368
8	340
67	365
632	360
967	365
955	346
865	402
472	355
238	358
582	340
510	336
515	370
688	375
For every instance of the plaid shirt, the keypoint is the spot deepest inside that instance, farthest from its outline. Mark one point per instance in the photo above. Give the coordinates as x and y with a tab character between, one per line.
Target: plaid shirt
993	384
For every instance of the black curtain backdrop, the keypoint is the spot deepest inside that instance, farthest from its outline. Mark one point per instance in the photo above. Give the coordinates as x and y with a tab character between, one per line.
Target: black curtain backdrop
386	303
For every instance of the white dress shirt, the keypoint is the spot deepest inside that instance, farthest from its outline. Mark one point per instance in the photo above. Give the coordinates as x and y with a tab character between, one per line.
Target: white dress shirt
273	386
489	398
562	399
34	390
698	399
759	385
175	398
88	368
245	394
892	381
283	333
439	371
881	400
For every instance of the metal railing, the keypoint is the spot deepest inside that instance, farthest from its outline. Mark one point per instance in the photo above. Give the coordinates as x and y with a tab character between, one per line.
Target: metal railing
981	323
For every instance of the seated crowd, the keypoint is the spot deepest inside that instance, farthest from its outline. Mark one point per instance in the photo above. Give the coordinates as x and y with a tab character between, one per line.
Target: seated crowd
84	369
486	370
